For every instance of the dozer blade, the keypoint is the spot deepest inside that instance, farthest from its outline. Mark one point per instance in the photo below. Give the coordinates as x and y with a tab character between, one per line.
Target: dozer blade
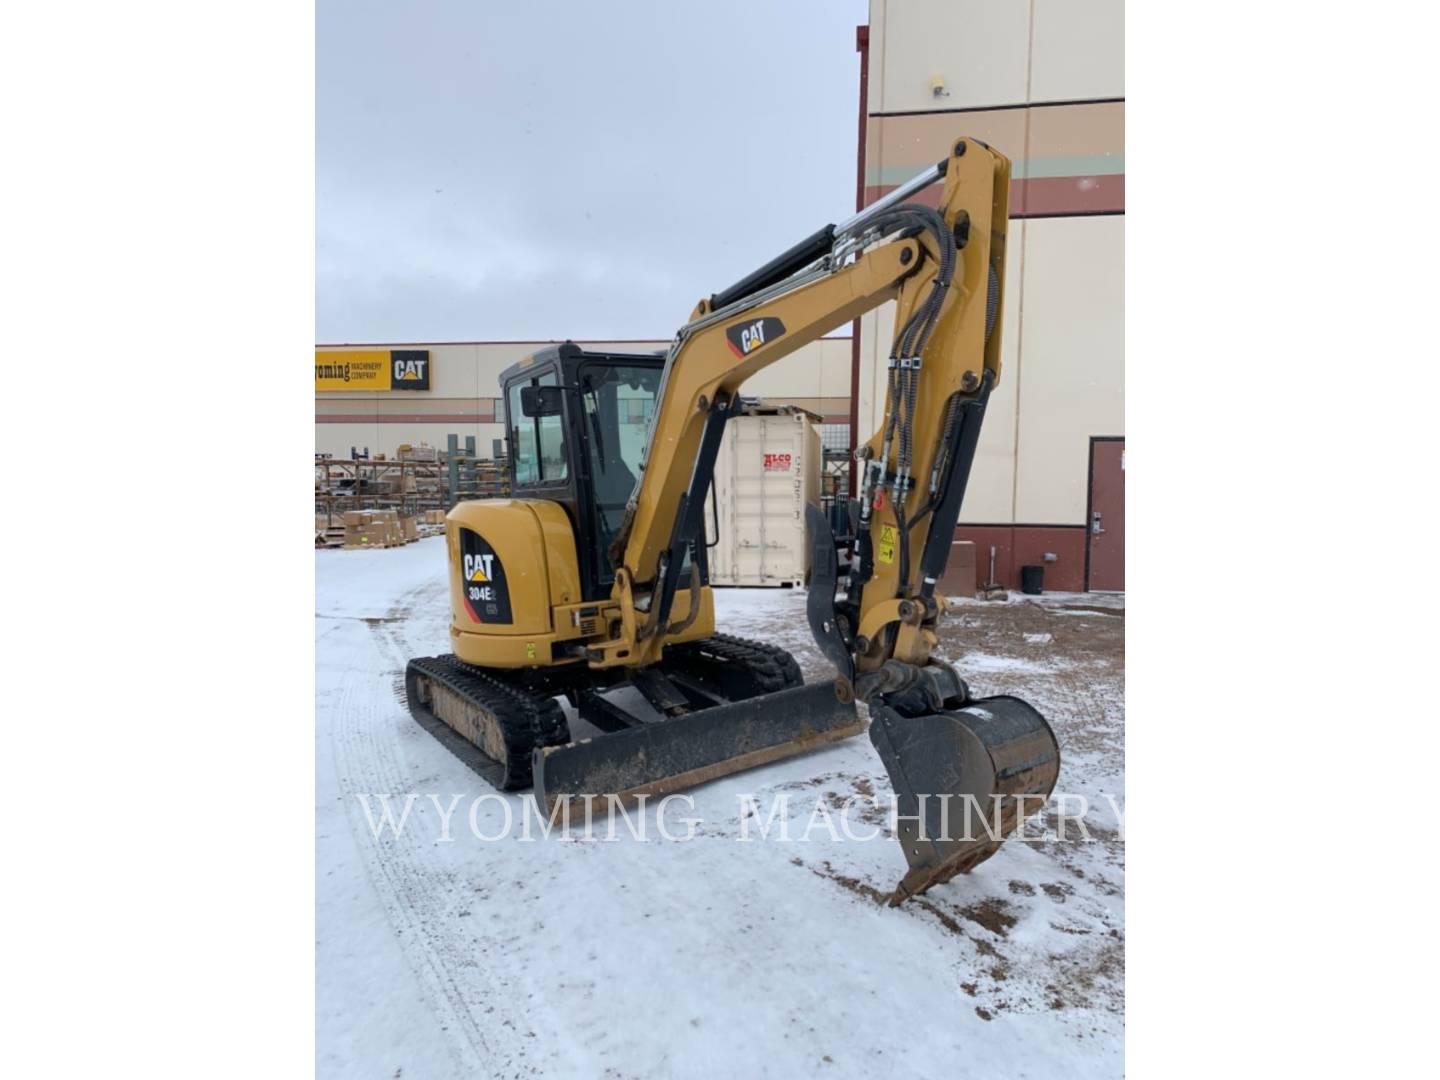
971	766
672	754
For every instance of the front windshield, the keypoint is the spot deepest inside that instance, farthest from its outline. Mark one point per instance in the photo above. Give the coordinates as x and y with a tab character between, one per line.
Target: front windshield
618	402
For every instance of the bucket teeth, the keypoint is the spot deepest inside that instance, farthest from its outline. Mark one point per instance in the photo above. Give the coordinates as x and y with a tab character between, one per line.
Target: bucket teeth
964	779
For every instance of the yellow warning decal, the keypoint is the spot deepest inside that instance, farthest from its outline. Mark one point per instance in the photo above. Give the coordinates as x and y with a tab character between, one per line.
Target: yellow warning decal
886	551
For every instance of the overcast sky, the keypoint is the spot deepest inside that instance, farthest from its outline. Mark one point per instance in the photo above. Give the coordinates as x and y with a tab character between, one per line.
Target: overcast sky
546	169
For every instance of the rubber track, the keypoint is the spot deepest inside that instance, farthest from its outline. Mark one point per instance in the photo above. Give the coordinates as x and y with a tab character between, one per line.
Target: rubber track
771	667
526	720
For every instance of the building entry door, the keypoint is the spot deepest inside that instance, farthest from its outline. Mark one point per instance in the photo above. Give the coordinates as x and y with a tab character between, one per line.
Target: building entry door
1105	546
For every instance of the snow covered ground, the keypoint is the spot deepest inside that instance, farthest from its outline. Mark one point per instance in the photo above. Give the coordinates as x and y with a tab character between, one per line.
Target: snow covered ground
716	956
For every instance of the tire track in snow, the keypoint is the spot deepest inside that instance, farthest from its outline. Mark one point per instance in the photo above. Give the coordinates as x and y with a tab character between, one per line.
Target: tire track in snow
363	768
537	1035
584	1041
417	892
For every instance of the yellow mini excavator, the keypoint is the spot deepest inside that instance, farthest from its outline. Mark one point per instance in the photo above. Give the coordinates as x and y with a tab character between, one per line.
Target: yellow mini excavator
590	582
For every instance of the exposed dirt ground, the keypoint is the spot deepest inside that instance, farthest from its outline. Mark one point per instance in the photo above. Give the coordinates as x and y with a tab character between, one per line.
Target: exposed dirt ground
1065	654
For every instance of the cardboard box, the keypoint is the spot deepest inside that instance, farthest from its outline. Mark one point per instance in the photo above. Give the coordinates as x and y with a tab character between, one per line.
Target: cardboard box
373	528
959	576
423	452
410	527
368	537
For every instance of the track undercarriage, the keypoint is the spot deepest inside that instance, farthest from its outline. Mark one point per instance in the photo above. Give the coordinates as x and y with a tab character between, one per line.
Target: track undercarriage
709	709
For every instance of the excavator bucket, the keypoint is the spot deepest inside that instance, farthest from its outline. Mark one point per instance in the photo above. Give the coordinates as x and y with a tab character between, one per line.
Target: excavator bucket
964	779
655	759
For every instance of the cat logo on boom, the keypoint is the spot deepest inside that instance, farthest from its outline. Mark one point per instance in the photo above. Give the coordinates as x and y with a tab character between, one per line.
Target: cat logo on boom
745	338
409	369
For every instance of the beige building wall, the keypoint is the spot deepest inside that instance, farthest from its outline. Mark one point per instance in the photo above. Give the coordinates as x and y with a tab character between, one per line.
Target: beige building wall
1077	50
994	52
1043	82
465	388
1071	371
979	47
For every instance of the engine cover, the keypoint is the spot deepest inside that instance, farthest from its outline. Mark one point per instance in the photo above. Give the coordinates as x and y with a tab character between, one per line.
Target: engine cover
511	561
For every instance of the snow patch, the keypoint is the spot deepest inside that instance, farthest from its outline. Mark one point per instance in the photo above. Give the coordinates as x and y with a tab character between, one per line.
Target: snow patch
469	959
989	663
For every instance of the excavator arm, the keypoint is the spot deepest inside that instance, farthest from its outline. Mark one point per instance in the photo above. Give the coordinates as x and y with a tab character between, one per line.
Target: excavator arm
965	771
945	269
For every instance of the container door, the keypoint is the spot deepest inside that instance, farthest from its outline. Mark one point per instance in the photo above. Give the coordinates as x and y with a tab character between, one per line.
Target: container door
762	516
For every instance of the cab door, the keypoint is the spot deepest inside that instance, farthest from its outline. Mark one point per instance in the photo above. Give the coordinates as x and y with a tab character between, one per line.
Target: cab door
547	462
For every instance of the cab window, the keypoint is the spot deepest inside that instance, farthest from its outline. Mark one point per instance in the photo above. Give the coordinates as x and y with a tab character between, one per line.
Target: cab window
553	464
537	443
617	403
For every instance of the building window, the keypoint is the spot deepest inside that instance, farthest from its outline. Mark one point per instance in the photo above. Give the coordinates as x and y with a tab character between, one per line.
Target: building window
835	436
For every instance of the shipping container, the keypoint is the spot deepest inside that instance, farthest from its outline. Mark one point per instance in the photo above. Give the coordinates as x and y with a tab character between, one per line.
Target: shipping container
767	472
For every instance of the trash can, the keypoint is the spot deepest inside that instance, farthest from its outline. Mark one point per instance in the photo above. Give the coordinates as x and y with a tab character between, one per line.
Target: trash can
1032	580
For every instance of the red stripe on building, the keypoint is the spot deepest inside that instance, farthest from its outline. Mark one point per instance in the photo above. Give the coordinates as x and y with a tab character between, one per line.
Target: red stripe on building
1049	196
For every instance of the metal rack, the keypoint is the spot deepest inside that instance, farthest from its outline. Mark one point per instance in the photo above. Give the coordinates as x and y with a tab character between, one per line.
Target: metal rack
408	485
472	477
378	484
835	490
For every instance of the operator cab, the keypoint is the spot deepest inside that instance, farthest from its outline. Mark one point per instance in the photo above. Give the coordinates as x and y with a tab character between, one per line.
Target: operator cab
576	424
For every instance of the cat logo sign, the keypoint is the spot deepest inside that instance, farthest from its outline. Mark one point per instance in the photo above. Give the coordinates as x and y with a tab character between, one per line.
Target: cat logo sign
409	369
477	567
372	369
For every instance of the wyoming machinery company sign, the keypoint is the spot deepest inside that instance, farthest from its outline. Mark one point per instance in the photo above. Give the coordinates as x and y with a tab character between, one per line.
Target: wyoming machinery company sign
372	369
